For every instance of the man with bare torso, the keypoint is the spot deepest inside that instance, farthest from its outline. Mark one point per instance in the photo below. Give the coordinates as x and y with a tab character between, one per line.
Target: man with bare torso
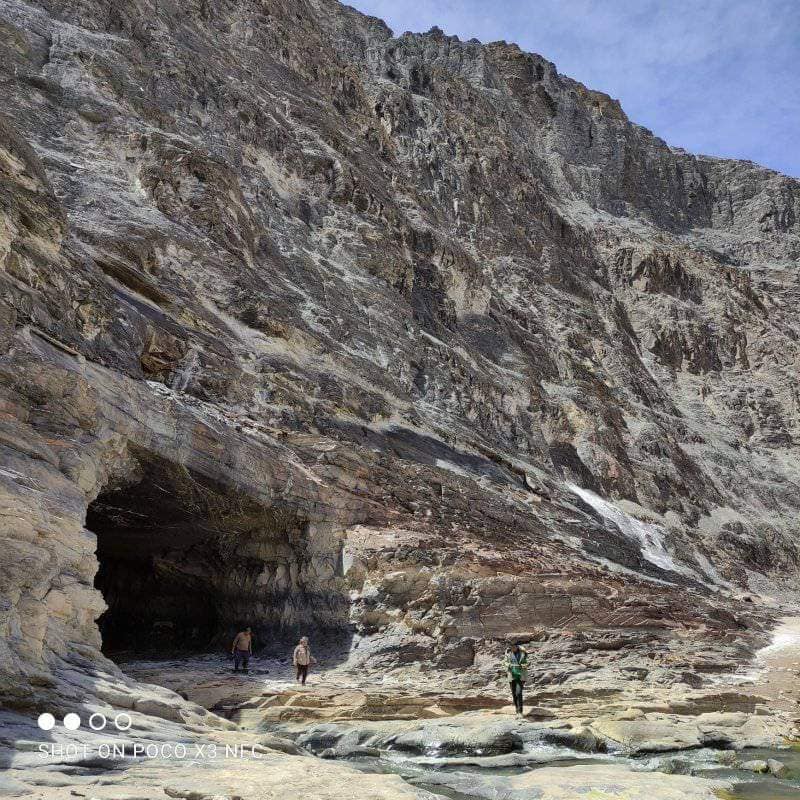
242	649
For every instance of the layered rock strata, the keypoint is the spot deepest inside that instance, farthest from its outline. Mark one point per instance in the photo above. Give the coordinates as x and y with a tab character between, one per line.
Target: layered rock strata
403	338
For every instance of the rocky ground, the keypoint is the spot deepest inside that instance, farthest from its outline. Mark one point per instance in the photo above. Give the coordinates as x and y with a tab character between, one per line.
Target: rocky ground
408	343
415	734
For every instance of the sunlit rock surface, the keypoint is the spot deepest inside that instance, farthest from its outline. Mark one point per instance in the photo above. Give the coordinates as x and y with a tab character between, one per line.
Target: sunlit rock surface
410	342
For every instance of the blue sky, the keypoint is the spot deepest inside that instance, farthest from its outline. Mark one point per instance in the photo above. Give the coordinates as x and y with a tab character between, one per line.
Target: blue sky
720	77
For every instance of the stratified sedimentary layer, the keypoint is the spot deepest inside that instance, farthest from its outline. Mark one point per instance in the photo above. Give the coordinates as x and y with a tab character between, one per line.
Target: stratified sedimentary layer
408	338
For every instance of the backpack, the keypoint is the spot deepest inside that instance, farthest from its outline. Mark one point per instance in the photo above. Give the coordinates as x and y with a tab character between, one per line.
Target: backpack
518	665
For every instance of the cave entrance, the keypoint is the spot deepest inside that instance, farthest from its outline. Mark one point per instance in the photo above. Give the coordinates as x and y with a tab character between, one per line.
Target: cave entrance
184	562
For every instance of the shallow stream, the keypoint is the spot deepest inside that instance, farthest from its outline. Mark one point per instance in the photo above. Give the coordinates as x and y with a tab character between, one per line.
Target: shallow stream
432	773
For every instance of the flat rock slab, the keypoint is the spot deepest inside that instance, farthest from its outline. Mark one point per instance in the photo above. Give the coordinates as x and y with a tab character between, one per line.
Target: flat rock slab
651	736
592	782
270	777
495	738
656	733
292	777
464	735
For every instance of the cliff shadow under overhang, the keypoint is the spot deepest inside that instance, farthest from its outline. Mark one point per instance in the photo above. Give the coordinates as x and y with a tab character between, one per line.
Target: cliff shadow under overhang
185	561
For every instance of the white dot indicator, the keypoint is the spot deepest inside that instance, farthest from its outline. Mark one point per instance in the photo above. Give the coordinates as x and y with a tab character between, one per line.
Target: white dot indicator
46	722
72	722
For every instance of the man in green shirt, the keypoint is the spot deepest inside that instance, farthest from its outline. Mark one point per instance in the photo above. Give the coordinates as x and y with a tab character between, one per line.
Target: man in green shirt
516	664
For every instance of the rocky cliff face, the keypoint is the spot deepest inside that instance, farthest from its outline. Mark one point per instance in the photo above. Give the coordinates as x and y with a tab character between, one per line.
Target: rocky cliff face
407	338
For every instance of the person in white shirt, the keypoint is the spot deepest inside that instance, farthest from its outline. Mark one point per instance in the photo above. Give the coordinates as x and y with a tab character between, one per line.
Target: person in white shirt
302	659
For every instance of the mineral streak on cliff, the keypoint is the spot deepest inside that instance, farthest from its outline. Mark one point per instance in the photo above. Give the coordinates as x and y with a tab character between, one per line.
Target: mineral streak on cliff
303	323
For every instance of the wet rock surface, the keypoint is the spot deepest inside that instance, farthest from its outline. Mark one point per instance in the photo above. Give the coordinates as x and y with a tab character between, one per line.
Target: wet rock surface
565	783
410	343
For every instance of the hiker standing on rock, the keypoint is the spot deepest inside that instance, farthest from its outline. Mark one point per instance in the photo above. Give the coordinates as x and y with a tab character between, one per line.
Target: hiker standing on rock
242	649
516	664
301	659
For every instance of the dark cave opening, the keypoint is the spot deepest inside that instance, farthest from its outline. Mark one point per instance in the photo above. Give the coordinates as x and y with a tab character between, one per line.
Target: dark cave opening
185	562
155	564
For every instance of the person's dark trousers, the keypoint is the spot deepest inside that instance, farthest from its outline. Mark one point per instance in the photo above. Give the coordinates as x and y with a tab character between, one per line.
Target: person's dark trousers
302	673
241	657
516	693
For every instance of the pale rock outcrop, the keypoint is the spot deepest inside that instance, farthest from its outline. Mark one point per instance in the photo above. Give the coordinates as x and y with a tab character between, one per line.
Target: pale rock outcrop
411	341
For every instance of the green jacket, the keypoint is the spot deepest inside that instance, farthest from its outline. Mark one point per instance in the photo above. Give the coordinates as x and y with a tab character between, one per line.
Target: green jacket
516	665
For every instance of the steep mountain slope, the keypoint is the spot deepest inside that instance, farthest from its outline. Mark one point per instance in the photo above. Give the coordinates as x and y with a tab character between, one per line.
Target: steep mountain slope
407	337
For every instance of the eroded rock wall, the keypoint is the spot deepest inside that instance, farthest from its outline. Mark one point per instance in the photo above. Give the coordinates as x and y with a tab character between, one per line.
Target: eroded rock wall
413	291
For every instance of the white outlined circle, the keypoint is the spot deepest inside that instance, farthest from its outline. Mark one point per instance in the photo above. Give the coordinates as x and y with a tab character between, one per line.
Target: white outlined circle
46	721
103	721
123	727
72	722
